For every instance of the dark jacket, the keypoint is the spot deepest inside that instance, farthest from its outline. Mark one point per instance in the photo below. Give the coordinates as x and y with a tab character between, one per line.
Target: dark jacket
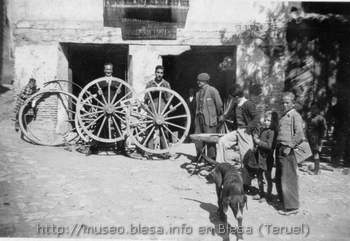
212	105
265	149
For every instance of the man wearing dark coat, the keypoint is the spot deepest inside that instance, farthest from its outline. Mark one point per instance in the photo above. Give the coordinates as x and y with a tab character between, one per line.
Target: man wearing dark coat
208	108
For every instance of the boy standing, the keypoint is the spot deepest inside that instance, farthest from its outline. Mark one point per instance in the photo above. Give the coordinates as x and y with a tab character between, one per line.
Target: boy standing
290	135
316	130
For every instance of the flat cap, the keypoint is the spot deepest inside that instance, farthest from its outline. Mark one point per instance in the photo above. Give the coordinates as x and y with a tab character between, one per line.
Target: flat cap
203	77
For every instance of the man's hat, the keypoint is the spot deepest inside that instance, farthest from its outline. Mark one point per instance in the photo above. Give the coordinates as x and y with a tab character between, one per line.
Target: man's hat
203	77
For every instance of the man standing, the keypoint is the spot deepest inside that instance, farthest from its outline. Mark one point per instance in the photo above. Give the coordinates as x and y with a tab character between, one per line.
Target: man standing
108	71
290	135
208	109
158	81
246	119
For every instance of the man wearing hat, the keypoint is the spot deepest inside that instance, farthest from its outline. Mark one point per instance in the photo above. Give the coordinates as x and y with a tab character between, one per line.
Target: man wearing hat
208	109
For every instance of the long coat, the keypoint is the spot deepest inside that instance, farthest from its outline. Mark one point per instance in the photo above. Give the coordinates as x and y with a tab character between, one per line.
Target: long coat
212	105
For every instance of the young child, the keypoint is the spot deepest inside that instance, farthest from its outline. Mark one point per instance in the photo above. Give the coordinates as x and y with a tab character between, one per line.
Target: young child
316	130
266	143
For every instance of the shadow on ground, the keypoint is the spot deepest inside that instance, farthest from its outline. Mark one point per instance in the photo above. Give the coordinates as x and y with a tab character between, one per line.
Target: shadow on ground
221	228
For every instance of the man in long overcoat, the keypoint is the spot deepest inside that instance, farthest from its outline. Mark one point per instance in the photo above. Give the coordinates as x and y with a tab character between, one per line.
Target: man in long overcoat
208	108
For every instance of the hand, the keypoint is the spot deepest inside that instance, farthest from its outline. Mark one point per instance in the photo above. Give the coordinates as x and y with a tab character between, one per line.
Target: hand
256	138
221	118
320	148
171	108
286	151
33	103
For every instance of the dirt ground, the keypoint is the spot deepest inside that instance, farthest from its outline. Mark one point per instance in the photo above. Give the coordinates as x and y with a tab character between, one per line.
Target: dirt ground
51	192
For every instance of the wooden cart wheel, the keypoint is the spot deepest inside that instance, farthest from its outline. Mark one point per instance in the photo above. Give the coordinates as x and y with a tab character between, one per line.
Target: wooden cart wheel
40	122
101	109
160	121
59	84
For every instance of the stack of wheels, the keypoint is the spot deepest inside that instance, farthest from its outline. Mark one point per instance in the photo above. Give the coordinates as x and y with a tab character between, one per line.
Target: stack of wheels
158	120
47	118
101	109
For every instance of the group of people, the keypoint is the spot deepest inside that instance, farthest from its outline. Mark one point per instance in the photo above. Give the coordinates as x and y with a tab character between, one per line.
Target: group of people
273	142
280	142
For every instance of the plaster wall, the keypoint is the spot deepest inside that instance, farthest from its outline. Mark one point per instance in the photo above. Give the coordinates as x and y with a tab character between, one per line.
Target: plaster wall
40	25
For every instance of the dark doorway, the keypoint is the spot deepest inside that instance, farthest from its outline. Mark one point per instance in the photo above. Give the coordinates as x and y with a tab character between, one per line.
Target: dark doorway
182	70
86	61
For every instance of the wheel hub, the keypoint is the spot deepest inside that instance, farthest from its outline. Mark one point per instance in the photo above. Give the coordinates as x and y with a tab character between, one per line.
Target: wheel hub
109	109
159	120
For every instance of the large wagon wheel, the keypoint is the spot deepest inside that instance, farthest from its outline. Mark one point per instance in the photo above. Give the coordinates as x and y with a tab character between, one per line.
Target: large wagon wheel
58	83
160	121
40	122
101	109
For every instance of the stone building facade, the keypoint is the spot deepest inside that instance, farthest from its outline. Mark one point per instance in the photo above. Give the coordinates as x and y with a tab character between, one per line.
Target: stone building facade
71	40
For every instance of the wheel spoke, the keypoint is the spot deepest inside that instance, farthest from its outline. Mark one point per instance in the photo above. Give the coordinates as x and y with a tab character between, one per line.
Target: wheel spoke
88	119
165	127
116	93
94	121
159	100
175	117
165	139
142	122
119	107
124	97
101	127
145	107
138	114
96	106
94	97
121	119
116	125
148	136
167	104
172	124
147	127
173	109
109	92
92	113
109	128
101	93
150	97
120	112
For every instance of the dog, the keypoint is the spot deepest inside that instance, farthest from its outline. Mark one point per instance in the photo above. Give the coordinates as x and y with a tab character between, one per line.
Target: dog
230	191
